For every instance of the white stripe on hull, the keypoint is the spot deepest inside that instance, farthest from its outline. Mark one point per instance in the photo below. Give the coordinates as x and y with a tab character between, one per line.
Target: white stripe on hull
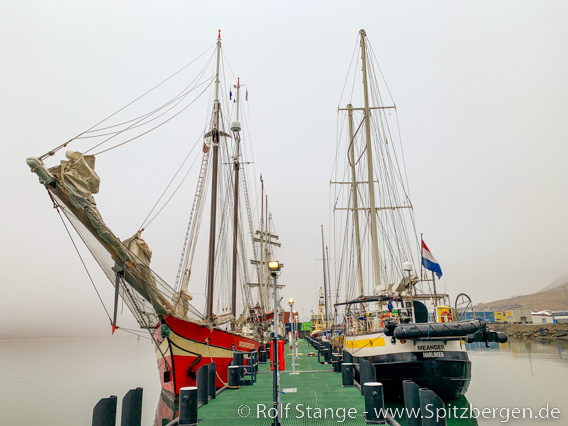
191	346
374	344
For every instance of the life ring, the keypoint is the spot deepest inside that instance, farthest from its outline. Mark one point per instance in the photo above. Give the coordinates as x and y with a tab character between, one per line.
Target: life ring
385	315
446	317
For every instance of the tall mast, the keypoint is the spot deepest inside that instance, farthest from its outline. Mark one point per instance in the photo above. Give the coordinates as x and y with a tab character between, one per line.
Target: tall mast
370	175
324	279
355	201
214	179
262	259
329	285
265	241
236	127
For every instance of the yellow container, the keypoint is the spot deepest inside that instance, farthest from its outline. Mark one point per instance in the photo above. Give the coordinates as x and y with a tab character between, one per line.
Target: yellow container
500	316
444	313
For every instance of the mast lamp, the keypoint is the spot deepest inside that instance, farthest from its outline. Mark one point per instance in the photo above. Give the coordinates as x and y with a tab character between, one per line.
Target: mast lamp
290	301
273	266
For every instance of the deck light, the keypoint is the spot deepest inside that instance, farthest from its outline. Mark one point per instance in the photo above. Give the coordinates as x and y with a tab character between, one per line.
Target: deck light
273	266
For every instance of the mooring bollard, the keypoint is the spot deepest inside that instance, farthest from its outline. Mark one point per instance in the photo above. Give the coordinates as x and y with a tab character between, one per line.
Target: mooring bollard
336	361
347	357
212	379
430	403
347	374
412	403
132	408
374	403
238	358
366	373
104	413
202	384
188	406
323	355
234	377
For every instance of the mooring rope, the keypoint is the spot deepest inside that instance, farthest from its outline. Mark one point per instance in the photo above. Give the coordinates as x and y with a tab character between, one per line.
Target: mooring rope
211	358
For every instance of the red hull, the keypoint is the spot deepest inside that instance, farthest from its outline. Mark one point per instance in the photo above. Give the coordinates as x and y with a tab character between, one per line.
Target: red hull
189	346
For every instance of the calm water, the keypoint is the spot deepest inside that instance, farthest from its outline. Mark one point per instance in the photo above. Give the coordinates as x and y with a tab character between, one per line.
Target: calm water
521	374
57	382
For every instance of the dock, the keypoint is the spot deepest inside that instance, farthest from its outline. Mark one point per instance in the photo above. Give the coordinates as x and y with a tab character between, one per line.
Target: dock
314	395
316	386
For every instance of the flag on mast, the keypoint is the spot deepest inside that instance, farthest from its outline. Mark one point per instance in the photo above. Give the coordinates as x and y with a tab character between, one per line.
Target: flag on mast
429	261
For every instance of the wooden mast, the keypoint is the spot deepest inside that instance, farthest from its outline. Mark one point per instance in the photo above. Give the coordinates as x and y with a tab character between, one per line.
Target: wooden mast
236	127
214	180
262	259
324	280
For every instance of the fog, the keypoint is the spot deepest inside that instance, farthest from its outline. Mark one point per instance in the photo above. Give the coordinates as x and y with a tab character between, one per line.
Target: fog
481	93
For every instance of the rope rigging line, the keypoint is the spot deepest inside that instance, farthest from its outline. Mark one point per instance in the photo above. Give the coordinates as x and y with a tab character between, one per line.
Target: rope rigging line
56	206
349	70
53	151
143	320
182	94
148	131
179	98
140	120
134	332
145	225
394	242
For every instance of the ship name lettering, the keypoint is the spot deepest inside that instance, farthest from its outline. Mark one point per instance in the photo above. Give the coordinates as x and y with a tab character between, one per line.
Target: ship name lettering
431	347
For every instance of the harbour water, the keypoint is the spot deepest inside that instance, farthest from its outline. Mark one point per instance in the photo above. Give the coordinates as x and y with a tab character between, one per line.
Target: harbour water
57	382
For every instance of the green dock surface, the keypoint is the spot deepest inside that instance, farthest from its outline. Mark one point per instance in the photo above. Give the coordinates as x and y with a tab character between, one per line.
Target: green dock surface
314	396
316	386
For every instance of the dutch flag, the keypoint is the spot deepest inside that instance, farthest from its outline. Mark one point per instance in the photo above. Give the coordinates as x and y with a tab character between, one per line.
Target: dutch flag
430	262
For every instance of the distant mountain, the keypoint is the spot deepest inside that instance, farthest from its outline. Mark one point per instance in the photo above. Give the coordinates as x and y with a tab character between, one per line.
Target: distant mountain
557	283
555	299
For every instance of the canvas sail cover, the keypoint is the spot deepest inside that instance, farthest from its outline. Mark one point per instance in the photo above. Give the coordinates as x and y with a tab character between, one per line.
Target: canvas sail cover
183	297
145	293
139	248
78	173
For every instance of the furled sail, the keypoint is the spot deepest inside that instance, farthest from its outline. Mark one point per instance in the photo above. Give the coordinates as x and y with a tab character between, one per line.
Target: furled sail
78	172
72	185
182	298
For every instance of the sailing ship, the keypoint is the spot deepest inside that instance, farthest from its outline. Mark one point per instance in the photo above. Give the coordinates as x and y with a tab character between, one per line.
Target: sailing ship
386	318
321	323
184	337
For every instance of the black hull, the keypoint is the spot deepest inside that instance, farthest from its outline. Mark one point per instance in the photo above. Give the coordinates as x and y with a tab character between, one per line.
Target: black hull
449	377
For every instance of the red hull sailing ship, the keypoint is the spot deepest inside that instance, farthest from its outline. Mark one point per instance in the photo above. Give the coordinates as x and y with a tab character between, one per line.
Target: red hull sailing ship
187	345
184	337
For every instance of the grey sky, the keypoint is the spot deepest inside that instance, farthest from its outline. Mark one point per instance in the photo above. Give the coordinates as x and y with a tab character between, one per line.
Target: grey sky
481	93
